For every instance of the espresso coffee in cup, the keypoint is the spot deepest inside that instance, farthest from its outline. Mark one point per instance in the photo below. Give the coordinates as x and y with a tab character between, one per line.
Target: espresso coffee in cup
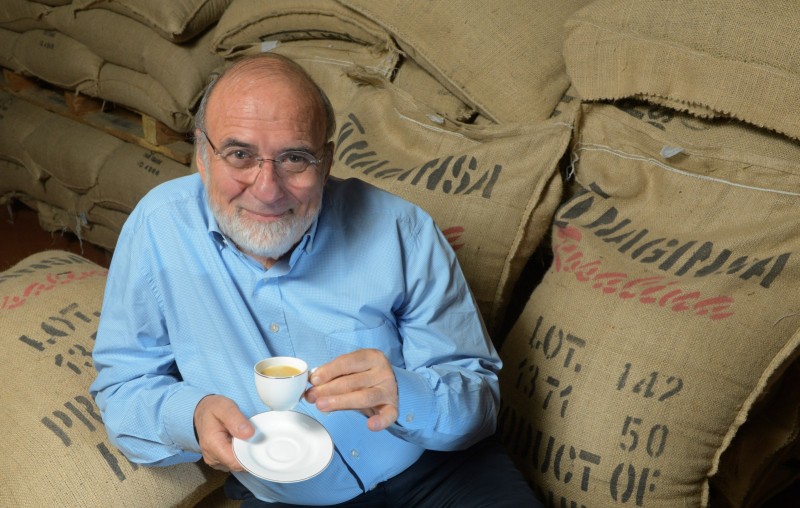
281	381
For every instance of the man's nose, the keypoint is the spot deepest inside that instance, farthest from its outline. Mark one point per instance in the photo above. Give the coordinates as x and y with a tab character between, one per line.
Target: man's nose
267	185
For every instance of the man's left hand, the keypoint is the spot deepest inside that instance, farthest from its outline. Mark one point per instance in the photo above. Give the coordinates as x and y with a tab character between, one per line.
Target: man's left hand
362	380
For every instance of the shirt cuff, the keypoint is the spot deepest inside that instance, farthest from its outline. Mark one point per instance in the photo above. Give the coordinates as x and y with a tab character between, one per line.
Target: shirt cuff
416	400
178	414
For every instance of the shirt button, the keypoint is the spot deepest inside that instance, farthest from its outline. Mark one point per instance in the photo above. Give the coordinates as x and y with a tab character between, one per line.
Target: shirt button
274	328
354	453
409	417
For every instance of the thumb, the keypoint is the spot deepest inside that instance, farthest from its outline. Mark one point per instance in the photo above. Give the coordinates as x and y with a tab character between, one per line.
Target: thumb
237	424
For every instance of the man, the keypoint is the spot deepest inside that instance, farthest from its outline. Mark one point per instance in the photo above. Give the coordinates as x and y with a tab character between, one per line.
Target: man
262	254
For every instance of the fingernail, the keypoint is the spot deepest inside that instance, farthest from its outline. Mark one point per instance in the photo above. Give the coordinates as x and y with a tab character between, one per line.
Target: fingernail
322	404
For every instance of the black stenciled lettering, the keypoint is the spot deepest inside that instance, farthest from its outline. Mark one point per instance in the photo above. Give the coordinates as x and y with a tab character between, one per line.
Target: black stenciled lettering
651	385
53	426
79	415
672	255
624	483
715	265
35	344
111	460
450	175
657	254
89	407
759	268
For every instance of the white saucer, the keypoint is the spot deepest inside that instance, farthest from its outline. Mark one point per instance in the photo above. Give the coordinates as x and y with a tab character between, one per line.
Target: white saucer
287	447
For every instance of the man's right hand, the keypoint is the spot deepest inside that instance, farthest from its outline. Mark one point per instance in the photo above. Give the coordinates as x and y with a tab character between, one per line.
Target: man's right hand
217	420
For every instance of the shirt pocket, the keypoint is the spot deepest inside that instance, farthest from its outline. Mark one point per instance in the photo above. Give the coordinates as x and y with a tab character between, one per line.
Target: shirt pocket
383	337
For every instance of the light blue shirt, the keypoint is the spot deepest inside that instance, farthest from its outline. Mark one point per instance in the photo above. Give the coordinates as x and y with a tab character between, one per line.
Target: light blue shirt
186	314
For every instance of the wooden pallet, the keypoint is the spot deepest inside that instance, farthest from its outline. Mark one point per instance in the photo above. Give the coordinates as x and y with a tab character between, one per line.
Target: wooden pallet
125	124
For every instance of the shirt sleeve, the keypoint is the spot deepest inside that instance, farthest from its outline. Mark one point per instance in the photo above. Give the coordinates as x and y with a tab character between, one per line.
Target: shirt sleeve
147	409
448	388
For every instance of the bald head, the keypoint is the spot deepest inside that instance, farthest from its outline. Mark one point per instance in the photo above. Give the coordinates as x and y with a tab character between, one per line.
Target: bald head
255	71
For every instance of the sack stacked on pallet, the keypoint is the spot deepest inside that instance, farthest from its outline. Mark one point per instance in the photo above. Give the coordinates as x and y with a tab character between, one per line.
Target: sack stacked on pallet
105	54
79	178
54	448
656	364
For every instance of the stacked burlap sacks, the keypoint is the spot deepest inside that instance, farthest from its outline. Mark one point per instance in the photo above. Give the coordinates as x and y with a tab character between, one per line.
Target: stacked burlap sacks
114	54
499	59
150	57
55	451
79	178
656	364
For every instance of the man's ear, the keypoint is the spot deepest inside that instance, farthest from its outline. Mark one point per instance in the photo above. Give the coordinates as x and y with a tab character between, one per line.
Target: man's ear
198	159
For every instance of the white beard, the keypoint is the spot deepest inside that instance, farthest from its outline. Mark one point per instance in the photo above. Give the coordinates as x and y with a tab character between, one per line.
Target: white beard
268	240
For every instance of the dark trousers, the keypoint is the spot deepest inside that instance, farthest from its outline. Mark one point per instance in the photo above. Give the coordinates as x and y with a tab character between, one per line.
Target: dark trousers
481	476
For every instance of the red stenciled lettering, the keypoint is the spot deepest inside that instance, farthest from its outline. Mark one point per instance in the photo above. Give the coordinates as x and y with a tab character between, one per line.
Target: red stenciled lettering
453	235
655	290
10	302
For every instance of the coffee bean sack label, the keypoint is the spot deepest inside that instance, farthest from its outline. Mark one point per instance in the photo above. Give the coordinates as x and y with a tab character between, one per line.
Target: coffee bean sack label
494	187
49	309
668	305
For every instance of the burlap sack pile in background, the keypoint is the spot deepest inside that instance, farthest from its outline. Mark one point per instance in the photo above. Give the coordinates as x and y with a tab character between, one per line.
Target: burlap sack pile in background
668	314
79	178
22	15
492	190
177	20
117	51
54	447
501	58
140	69
731	58
248	24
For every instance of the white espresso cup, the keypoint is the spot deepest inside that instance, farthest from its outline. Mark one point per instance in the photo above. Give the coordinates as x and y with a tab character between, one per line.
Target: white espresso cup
281	381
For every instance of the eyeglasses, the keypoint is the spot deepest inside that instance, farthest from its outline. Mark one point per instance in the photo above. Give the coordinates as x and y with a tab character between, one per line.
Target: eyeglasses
289	165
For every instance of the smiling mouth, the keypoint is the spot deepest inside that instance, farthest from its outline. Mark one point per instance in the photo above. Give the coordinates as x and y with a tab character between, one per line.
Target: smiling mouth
264	216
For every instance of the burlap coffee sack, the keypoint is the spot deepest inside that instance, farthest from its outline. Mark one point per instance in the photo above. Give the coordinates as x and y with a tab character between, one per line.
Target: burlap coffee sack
331	63
690	52
491	190
663	318
22	15
15	179
500	58
58	59
68	151
141	93
176	20
182	69
18	119
8	40
106	217
54	447
247	24
420	84
127	174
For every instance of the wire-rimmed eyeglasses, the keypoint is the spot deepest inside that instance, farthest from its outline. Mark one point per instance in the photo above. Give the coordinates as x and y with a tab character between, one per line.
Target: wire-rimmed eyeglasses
288	165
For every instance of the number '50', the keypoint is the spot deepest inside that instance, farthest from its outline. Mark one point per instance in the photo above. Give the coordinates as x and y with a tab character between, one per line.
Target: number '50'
656	437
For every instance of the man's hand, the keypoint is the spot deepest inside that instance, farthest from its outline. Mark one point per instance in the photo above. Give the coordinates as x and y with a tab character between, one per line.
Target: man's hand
218	420
362	380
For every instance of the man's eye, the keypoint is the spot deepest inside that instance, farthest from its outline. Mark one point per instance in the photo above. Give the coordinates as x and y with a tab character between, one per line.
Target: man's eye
295	158
239	155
